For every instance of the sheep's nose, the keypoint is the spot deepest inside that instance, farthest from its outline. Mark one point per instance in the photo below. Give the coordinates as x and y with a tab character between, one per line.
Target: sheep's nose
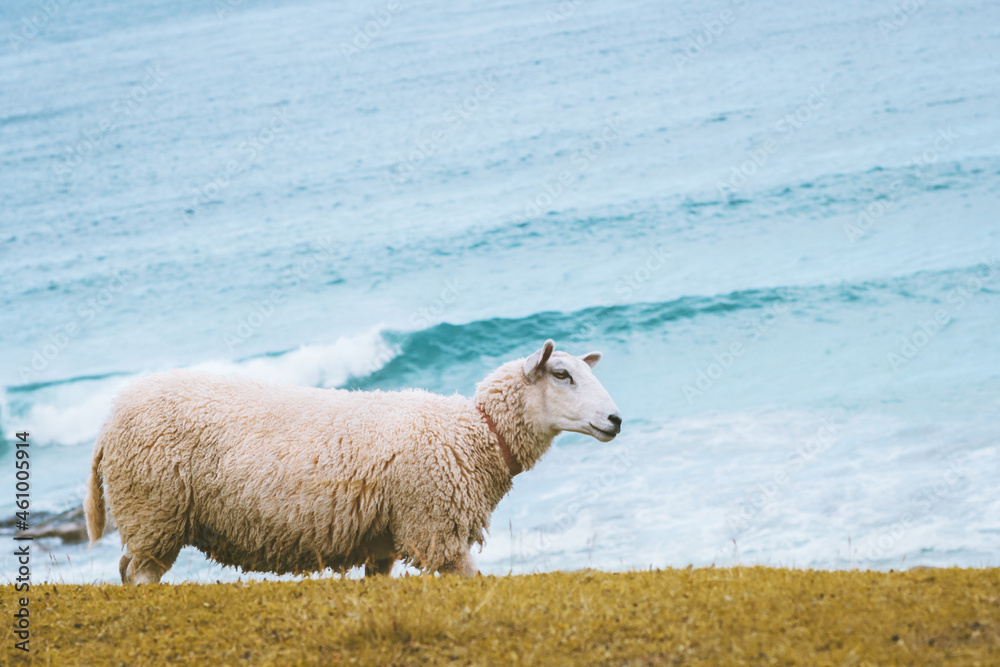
616	421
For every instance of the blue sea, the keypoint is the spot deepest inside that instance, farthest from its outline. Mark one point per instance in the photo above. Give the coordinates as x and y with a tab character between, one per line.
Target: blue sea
778	221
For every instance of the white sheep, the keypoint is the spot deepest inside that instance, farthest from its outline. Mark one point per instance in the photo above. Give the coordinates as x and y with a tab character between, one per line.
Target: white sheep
277	478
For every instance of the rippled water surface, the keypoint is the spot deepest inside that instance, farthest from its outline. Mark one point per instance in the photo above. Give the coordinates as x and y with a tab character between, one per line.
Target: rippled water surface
777	221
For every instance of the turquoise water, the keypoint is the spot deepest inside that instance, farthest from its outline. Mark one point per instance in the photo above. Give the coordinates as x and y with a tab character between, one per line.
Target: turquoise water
777	222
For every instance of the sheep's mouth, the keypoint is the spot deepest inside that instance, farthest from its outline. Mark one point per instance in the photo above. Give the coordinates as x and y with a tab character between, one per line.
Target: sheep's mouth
602	434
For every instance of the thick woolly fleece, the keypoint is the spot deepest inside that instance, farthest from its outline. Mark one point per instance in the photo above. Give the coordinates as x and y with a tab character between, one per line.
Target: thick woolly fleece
291	479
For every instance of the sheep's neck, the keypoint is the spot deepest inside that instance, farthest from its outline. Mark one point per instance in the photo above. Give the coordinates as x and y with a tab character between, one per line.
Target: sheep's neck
502	398
512	465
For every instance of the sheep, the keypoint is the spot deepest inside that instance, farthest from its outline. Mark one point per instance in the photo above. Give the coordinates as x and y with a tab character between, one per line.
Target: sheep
287	479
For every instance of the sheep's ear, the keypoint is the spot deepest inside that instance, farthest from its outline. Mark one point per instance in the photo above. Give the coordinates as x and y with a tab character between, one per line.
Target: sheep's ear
591	358
534	364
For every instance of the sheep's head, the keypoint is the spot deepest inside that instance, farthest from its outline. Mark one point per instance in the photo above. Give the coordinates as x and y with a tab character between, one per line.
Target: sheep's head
564	395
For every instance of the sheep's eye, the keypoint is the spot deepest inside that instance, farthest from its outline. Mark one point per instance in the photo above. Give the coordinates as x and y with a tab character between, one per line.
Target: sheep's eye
560	374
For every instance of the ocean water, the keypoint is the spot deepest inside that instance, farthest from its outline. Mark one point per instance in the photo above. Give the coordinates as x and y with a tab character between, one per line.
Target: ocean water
778	223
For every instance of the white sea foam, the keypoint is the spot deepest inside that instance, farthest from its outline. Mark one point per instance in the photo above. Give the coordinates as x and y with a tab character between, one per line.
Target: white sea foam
72	413
789	488
314	365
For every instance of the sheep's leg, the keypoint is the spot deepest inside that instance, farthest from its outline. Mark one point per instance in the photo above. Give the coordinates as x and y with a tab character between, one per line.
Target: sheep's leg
378	567
123	569
434	545
464	565
152	513
147	570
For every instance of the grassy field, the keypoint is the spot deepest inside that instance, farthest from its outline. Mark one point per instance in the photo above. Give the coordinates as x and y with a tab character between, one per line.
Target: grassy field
694	616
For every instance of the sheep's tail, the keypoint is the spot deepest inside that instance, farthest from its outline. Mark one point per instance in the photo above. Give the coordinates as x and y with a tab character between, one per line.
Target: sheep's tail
93	506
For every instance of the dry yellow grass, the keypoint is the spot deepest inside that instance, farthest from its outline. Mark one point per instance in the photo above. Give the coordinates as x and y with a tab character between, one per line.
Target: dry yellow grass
694	616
